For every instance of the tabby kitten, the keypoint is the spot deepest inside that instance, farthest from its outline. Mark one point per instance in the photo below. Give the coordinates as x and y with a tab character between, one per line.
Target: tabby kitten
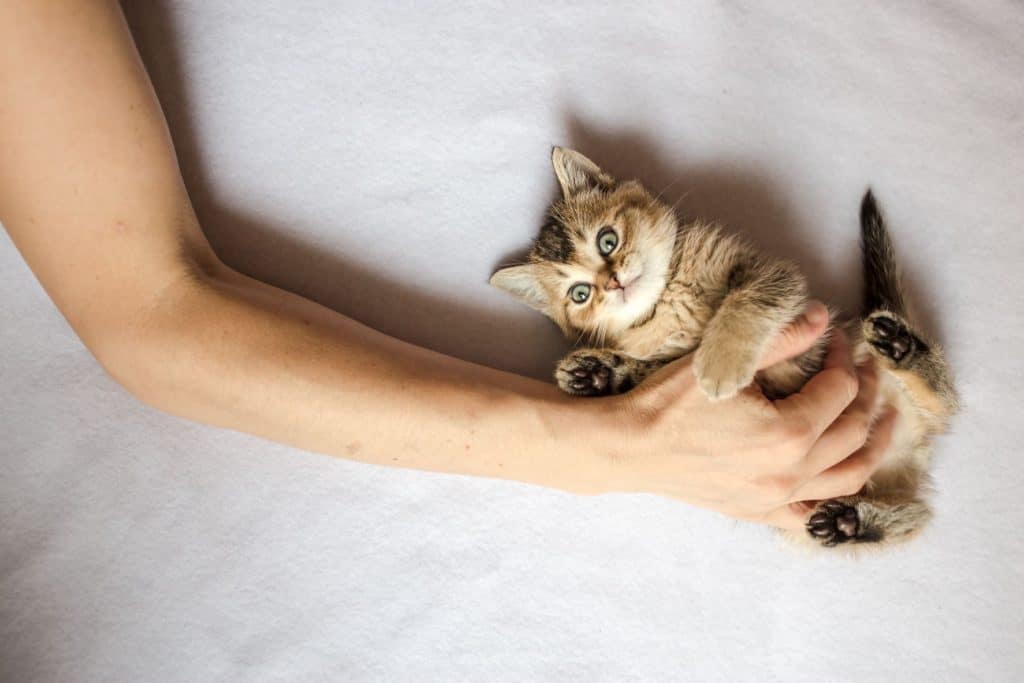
613	266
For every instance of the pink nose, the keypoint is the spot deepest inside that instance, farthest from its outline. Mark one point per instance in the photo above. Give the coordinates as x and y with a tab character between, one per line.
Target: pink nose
613	283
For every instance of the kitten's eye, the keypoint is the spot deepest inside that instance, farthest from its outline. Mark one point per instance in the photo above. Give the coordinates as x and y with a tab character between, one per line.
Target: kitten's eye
579	292
607	240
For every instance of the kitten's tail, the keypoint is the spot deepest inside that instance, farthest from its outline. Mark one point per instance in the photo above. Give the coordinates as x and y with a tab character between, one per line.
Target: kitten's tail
882	289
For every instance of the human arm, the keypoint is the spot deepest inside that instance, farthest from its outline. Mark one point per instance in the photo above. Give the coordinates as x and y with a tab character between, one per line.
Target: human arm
92	196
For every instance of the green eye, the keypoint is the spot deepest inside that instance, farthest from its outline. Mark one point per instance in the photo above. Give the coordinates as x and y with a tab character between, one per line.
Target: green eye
607	240
579	292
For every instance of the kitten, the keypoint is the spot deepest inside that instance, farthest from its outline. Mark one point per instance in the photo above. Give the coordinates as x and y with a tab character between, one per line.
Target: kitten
612	265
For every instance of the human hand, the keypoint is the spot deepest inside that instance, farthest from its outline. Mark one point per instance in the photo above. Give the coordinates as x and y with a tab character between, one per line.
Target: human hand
751	458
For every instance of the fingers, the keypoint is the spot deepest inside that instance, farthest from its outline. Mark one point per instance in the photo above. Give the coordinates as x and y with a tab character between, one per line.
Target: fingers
844	479
827	394
850	475
798	336
850	431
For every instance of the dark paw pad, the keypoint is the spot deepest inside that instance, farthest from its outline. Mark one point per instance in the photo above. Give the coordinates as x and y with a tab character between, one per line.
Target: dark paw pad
834	523
588	376
891	337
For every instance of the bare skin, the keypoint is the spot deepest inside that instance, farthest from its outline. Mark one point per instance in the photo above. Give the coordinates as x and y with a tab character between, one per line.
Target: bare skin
91	194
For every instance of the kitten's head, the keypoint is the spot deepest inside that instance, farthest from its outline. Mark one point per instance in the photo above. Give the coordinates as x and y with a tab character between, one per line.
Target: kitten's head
602	258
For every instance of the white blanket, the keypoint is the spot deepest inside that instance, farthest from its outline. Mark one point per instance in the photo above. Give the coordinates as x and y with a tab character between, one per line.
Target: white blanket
383	158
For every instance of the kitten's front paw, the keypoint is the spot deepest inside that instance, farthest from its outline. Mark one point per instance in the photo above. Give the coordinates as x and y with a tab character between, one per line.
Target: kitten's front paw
723	372
589	372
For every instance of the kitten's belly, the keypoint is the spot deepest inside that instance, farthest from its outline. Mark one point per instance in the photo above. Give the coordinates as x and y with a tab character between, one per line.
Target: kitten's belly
907	450
649	343
676	346
674	331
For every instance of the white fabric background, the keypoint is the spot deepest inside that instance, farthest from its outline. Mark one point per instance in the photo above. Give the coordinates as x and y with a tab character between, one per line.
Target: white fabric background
383	158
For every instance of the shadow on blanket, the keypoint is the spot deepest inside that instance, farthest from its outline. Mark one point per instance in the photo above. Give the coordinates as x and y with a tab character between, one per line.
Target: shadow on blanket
743	198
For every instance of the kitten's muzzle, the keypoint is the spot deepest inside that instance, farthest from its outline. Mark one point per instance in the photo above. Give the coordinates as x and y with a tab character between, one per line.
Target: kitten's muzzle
618	280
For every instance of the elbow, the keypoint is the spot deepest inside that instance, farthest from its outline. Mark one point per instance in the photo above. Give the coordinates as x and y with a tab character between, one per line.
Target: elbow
147	350
134	363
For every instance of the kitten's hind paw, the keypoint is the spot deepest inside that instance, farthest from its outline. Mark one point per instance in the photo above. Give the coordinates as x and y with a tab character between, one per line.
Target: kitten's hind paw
859	520
890	337
834	523
590	372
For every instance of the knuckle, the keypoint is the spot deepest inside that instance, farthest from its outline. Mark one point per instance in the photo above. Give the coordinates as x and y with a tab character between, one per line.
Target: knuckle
796	436
779	488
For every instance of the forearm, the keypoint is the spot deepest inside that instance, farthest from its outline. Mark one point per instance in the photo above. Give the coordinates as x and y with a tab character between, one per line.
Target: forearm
91	193
226	350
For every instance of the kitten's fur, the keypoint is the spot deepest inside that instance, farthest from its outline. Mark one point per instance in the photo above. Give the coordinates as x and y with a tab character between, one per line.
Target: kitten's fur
664	290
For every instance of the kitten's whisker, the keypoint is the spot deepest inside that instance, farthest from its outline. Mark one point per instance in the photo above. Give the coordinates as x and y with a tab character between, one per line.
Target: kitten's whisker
601	333
579	338
678	201
668	187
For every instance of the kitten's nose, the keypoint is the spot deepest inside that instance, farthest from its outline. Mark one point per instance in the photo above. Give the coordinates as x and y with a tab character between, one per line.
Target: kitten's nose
613	282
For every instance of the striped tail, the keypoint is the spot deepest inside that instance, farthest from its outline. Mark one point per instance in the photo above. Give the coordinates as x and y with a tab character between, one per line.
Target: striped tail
881	276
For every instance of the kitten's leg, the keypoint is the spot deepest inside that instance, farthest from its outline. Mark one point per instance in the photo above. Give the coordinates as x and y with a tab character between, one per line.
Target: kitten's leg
893	513
761	298
858	519
599	372
921	367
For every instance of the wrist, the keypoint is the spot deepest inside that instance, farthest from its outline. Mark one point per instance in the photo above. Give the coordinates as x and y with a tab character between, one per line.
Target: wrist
580	444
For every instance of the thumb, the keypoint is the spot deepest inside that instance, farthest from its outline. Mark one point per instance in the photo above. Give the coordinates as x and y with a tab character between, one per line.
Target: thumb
799	336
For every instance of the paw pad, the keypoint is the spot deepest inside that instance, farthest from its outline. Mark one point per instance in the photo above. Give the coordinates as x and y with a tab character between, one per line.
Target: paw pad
587	376
890	337
834	523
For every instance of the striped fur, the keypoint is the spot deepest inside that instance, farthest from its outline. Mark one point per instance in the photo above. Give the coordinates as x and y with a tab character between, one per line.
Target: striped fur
666	290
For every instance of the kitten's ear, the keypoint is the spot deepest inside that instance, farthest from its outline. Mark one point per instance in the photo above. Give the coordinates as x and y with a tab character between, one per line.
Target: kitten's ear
523	282
577	173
